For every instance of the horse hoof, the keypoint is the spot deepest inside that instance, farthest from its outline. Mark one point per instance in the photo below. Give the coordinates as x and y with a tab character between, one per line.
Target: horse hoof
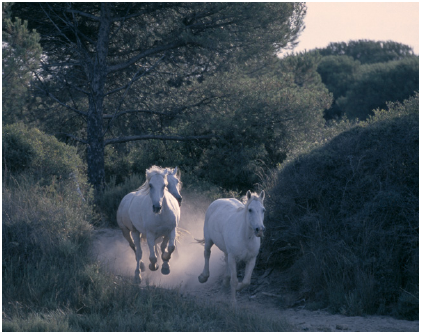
142	266
165	269
153	267
202	278
137	280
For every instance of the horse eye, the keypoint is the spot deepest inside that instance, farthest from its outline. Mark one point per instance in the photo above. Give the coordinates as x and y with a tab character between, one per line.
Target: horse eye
150	185
250	210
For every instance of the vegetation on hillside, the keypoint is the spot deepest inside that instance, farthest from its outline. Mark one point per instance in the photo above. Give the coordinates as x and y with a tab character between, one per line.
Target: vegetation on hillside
343	219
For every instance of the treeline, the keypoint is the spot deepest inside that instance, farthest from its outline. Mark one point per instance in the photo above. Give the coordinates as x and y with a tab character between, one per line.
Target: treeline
364	75
228	123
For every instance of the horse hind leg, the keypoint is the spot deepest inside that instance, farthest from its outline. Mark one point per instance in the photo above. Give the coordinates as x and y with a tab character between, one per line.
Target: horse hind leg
231	261
207	253
127	236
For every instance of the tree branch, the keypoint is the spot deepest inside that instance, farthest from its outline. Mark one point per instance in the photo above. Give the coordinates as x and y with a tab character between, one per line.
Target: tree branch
150	52
89	16
57	100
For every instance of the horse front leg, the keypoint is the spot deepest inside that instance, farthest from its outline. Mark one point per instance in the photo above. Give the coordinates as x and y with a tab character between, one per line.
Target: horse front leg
165	256
153	266
248	274
226	280
171	240
138	253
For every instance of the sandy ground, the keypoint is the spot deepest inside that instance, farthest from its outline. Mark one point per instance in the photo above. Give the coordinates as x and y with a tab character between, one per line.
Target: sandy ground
187	263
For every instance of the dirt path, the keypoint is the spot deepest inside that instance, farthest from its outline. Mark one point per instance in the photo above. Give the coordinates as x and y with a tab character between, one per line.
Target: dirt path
113	251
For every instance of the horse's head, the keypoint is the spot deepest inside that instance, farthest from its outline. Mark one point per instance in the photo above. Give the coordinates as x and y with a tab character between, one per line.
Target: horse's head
157	184
255	212
174	185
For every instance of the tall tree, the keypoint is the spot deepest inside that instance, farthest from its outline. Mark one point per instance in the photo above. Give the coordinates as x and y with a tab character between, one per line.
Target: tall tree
125	68
21	54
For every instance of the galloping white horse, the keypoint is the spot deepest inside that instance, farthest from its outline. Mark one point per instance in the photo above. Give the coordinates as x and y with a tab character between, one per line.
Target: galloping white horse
236	229
151	212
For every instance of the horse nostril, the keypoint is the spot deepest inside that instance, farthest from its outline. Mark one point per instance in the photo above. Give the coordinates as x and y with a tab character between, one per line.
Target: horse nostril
257	229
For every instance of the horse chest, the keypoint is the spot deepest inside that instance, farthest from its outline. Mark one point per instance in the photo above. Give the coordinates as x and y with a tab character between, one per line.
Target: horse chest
246	251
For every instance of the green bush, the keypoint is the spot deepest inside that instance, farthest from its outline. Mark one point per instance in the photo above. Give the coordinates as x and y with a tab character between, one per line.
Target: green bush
42	155
343	219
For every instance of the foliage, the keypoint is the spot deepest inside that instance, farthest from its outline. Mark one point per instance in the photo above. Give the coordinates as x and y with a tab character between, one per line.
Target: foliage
259	118
378	83
45	237
147	57
338	73
343	219
368	52
363	75
42	155
21	54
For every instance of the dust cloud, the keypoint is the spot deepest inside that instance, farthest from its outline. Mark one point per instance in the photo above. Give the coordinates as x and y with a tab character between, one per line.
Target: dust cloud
186	263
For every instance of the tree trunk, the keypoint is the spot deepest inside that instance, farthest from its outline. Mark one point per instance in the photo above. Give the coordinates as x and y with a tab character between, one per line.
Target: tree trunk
95	150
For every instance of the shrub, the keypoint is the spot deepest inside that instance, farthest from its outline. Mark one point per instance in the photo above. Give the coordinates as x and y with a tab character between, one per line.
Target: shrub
45	239
343	219
42	155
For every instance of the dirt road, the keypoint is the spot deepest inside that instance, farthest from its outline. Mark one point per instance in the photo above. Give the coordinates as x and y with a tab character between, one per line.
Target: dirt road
113	251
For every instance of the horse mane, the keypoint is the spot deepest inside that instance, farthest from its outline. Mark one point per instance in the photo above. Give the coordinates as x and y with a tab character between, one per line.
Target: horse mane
245	201
178	176
154	170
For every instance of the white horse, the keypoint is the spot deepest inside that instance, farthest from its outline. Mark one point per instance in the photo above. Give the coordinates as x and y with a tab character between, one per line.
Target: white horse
236	229
151	212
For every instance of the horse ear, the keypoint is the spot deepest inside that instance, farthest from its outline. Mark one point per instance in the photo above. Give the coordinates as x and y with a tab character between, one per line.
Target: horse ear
248	194
262	195
174	171
166	171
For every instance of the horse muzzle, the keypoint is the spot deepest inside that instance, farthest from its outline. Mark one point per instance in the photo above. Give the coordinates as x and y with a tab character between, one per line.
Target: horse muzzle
259	232
156	209
180	199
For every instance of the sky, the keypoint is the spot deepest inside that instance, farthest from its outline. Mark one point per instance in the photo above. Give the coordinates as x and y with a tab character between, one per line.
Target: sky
328	22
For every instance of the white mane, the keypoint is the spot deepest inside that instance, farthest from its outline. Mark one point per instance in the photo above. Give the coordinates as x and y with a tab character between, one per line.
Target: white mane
154	170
